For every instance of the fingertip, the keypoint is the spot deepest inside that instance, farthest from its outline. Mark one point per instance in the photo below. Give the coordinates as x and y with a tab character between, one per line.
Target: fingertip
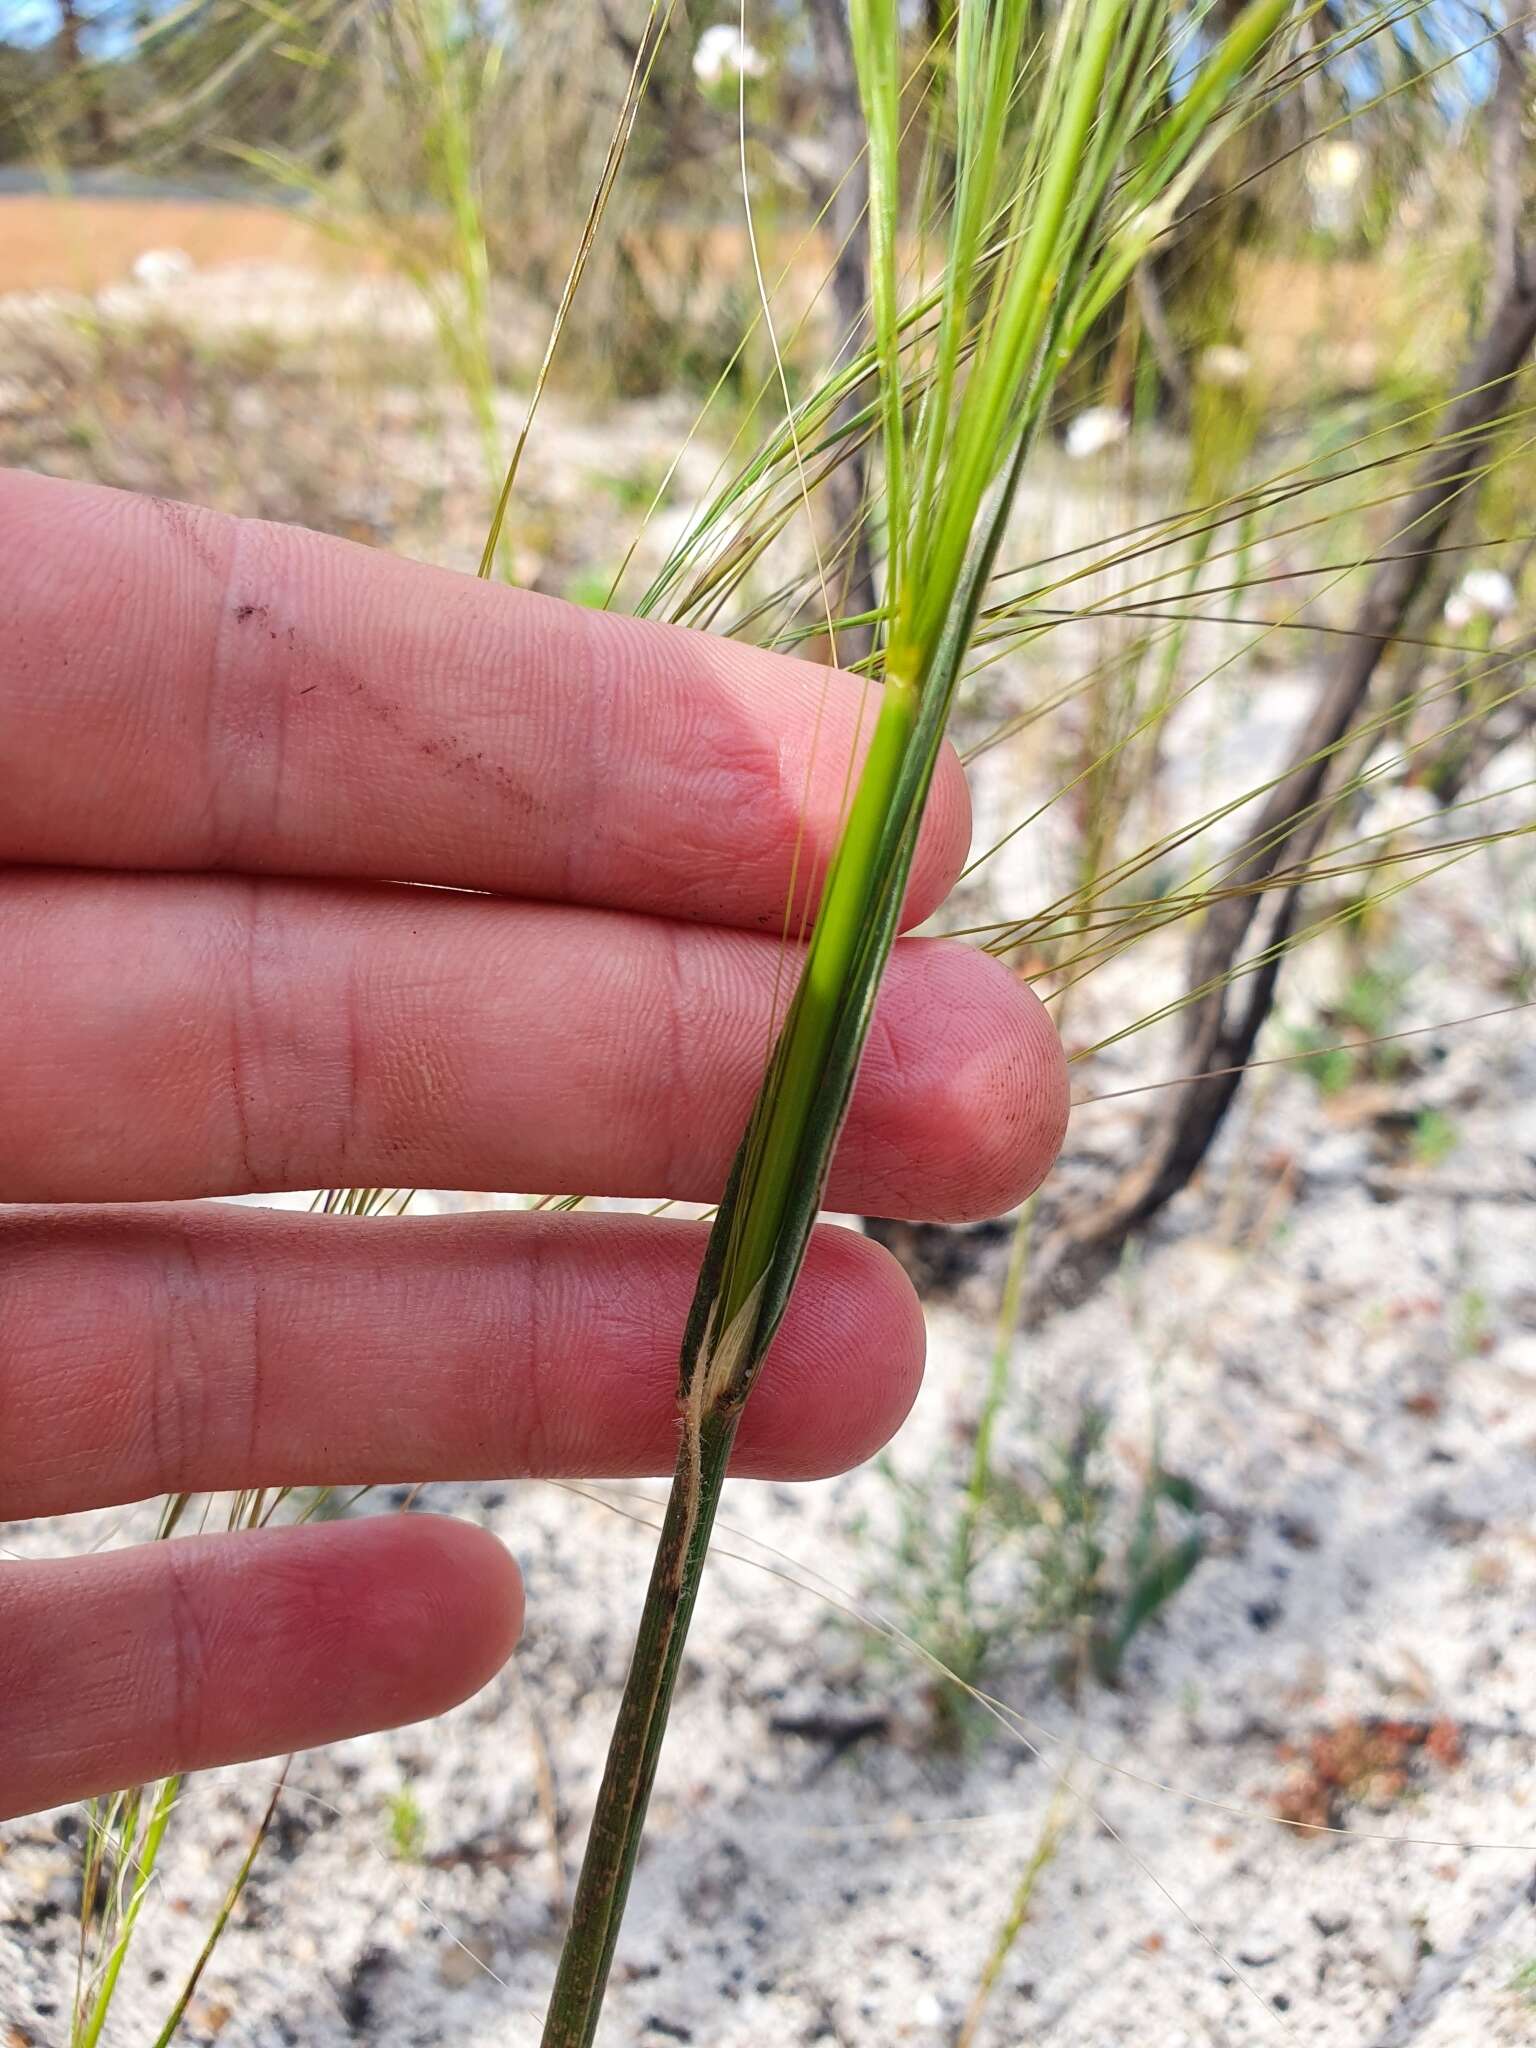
845	1368
444	1605
963	1097
1022	1081
370	1624
944	844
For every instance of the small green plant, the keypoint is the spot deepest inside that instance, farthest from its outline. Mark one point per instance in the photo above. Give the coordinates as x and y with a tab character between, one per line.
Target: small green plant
635	490
1040	1563
1472	1322
1043	1854
591	587
1435	1137
407	1825
1340	1048
1331	1068
1371	1000
1156	1567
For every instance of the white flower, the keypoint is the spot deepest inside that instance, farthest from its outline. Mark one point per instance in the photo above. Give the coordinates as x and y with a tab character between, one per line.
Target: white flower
159	267
1224	364
1095	429
1481	594
1333	173
1337	167
723	52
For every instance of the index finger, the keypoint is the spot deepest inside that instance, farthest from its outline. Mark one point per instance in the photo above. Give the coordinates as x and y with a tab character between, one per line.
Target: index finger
179	689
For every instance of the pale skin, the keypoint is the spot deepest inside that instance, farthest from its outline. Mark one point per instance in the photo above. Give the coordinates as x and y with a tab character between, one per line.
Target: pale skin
230	754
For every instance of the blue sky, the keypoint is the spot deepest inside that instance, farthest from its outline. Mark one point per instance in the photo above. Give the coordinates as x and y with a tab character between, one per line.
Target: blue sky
30	21
21	23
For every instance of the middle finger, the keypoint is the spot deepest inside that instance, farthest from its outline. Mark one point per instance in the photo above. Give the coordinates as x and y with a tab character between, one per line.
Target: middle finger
173	1037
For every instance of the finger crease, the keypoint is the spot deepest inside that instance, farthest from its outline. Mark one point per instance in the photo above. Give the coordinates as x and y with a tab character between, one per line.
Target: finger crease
245	1011
187	1638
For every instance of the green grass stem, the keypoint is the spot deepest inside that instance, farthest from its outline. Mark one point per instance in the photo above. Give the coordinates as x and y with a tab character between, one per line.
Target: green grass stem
950	483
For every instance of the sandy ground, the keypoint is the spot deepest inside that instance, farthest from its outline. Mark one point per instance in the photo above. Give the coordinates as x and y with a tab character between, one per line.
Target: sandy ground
85	242
1333	1337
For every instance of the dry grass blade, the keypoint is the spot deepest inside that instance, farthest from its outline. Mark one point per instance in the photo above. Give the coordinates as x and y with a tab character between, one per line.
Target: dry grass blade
221	1919
646	52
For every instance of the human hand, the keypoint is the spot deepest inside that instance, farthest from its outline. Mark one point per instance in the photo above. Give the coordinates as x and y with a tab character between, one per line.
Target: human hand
230	755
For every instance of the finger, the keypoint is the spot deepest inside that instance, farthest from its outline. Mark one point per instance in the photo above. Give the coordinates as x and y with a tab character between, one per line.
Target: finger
183	690
202	1349
175	1037
177	1656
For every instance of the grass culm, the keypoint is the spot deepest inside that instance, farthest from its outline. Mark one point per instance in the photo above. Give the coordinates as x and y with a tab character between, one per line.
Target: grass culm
1066	158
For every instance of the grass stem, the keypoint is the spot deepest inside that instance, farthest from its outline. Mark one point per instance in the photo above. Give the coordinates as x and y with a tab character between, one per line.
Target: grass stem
614	1841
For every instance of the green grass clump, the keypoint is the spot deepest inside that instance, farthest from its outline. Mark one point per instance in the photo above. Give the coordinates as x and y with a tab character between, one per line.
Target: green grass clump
1054	1555
1069	158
